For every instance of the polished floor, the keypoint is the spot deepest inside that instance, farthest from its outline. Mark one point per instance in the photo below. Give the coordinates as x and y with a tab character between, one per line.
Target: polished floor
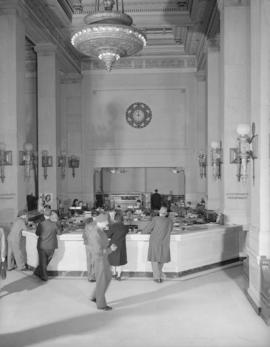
209	310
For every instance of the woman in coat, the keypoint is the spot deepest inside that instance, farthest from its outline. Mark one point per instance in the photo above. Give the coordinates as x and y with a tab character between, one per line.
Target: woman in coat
159	243
117	233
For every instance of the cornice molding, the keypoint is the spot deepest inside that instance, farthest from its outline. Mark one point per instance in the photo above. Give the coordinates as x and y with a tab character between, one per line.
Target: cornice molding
45	48
184	63
141	6
40	18
8	7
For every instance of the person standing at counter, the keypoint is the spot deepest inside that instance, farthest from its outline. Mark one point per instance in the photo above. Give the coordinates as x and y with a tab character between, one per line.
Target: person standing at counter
47	231
15	249
3	250
117	233
159	243
155	200
99	246
89	225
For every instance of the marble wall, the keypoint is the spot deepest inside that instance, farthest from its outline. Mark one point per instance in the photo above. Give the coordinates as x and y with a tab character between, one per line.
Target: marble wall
103	137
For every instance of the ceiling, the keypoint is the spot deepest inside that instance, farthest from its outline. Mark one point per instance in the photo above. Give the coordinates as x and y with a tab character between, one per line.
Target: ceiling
174	28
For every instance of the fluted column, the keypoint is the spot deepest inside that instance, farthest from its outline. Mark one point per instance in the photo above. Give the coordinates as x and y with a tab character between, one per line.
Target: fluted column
12	125
48	87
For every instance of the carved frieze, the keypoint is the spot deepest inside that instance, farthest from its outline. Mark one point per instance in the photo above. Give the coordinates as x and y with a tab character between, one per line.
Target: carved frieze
185	63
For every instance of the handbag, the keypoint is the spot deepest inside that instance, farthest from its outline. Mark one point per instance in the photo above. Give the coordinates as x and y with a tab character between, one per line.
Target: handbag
3	270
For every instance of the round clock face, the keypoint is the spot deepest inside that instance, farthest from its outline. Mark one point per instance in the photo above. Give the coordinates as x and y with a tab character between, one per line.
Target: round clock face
138	115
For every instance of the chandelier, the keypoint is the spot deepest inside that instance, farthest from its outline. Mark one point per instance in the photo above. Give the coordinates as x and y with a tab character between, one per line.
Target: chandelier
108	34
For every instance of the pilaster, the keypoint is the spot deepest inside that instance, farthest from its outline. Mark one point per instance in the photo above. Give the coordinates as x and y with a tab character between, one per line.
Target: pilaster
13	129
48	86
235	101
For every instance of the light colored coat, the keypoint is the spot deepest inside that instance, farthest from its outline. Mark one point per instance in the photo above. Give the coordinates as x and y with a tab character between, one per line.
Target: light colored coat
159	242
98	243
15	247
3	251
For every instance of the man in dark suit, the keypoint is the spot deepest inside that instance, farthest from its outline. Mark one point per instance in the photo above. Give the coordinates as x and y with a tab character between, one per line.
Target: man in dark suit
156	200
47	243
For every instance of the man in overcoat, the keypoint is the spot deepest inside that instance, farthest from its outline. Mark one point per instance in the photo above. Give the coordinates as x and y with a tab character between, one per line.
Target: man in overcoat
159	243
47	231
98	243
15	248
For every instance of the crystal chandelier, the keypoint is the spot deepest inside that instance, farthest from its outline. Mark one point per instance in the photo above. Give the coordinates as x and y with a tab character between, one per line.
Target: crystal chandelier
108	34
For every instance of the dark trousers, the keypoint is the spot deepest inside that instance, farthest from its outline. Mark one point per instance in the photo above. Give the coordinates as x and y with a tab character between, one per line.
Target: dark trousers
44	256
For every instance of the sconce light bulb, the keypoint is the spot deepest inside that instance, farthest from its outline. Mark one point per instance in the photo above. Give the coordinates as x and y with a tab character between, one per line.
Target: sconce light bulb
243	129
28	147
214	144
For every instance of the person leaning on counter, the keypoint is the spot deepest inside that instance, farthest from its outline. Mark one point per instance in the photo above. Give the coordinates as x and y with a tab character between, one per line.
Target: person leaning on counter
47	231
159	243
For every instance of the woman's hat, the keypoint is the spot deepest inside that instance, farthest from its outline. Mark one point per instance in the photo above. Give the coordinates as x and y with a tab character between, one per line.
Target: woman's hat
101	218
163	211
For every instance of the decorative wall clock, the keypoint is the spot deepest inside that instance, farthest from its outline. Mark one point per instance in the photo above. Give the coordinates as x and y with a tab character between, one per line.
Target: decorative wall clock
138	115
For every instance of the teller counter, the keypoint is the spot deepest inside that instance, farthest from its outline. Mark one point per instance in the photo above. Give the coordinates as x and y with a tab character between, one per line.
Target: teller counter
194	249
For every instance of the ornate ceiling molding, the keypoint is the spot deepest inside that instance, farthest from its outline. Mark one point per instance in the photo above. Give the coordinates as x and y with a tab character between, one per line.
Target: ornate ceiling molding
42	25
181	63
133	6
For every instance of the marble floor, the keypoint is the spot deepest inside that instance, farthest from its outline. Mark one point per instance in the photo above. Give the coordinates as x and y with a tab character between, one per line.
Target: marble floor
209	310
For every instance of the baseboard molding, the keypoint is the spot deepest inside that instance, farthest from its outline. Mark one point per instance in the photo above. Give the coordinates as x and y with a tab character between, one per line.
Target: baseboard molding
256	308
148	274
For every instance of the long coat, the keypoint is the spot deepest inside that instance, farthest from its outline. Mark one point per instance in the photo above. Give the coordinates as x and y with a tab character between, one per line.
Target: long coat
15	247
2	244
159	242
98	243
117	234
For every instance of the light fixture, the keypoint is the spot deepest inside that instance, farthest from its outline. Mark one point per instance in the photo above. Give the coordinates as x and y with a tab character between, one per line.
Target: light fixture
27	158
73	163
46	161
216	158
62	162
245	151
117	170
177	170
202	164
108	34
5	159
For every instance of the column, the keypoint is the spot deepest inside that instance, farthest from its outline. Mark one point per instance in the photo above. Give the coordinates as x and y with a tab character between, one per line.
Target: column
259	231
235	100
214	120
13	129
48	87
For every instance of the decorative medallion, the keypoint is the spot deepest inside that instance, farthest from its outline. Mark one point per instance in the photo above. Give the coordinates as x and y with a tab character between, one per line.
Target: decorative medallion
138	115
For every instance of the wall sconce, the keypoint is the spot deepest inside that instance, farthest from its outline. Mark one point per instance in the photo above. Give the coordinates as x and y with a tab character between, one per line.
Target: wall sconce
27	158
46	161
74	163
117	170
216	158
62	162
177	170
5	159
202	164
247	149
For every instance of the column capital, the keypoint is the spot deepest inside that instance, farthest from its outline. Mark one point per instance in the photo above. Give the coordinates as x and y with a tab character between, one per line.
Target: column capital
201	76
12	7
227	3
46	48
